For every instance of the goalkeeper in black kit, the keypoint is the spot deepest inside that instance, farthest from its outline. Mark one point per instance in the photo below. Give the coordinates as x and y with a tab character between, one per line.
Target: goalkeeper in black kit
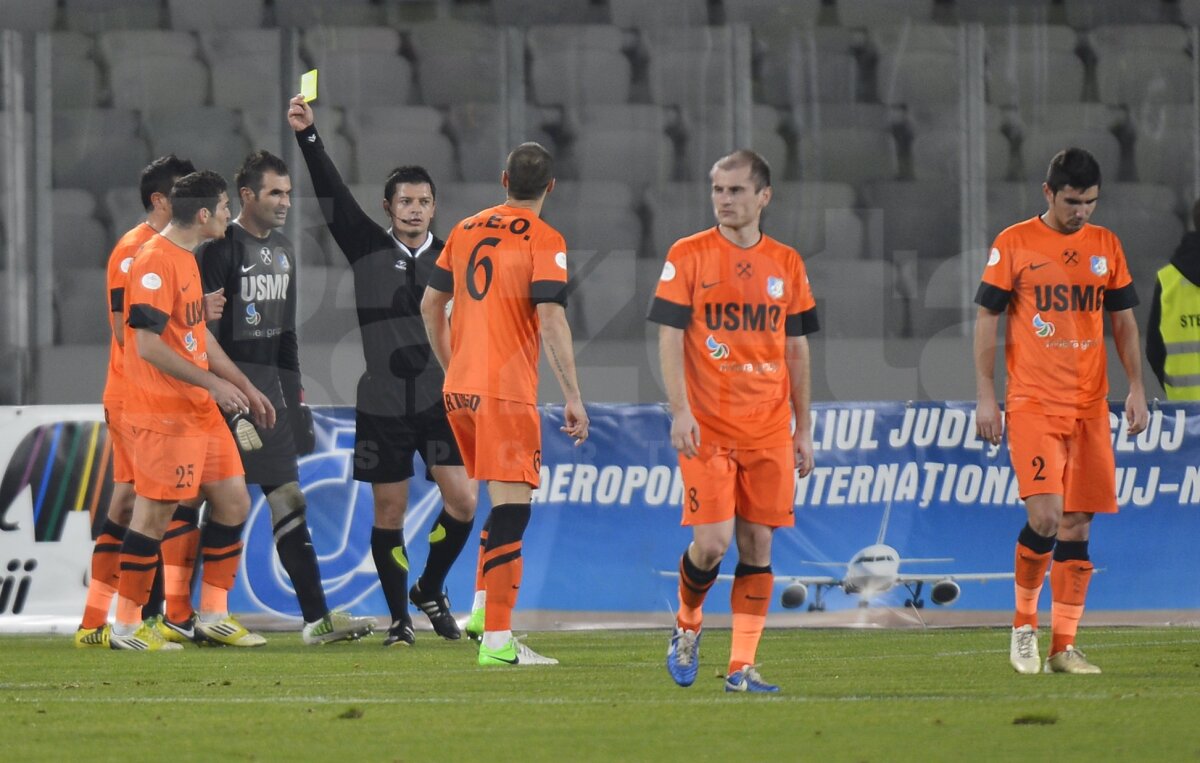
256	267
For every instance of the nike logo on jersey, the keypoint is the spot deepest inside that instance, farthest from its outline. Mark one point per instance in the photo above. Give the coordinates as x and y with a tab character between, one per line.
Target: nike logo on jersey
709	285
248	268
1039	265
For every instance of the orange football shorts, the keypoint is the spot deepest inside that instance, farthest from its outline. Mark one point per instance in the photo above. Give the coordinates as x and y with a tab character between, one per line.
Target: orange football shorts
756	485
1063	455
173	467
500	440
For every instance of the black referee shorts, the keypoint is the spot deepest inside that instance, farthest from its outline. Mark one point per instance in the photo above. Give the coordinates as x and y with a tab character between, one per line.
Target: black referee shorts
384	445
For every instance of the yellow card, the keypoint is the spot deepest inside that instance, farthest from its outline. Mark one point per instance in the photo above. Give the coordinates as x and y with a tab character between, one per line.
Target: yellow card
308	85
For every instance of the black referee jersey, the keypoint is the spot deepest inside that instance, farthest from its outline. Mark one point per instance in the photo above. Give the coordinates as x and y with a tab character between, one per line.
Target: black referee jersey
403	377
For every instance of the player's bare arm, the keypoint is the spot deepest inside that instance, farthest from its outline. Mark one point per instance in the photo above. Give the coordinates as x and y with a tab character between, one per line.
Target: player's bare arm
556	337
1125	337
300	114
152	349
437	323
798	364
685	431
989	425
258	405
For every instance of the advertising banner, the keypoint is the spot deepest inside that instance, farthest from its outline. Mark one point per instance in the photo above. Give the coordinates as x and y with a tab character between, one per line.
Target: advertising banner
905	491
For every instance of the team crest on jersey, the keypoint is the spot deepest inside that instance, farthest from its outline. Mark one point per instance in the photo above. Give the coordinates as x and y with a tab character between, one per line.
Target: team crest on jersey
774	287
283	262
189	341
126	264
1099	264
1041	327
265	255
716	350
152	281
253	317
668	272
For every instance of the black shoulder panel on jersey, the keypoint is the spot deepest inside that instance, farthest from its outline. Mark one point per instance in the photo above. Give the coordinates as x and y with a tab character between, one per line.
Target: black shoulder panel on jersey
548	291
670	313
441	279
1123	298
148	317
802	324
116	300
993	297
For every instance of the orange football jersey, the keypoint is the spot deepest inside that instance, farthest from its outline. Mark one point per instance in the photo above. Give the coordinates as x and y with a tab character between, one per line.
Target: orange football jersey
499	264
165	295
736	307
1055	287
119	262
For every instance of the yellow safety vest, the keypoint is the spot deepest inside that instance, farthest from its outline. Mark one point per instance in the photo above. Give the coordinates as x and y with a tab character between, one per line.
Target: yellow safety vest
1180	327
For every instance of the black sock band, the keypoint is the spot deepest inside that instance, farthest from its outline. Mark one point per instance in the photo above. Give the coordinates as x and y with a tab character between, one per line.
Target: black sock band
1066	550
508	522
743	570
1038	544
186	514
697	576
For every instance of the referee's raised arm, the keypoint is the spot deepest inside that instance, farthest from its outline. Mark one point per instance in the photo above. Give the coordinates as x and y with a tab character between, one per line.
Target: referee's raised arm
353	229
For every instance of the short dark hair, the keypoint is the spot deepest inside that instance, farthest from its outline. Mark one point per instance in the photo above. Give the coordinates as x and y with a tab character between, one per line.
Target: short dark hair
530	169
760	171
254	166
409	173
160	174
193	192
1074	167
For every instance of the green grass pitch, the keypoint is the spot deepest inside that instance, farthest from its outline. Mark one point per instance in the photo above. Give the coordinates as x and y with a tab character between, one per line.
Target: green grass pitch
853	695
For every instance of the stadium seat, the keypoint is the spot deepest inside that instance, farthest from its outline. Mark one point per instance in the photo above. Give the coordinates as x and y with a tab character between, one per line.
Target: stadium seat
458	201
817	219
1009	12
75	80
457	62
1010	202
306	13
867	13
231	53
676	210
1136	65
837	154
709	136
215	14
1033	63
663	14
765	14
386	137
1089	14
917	77
628	143
95	148
123	205
360	66
522	12
911	219
579	64
29	15
604	301
691	67
1039	144
596	216
154	71
1149	238
479	133
852	296
1189	12
81	241
1166	156
936	153
806	64
104	15
210	137
82	304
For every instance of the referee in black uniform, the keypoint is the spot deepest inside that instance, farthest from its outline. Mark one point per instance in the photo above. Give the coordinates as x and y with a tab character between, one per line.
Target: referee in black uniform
399	410
256	267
